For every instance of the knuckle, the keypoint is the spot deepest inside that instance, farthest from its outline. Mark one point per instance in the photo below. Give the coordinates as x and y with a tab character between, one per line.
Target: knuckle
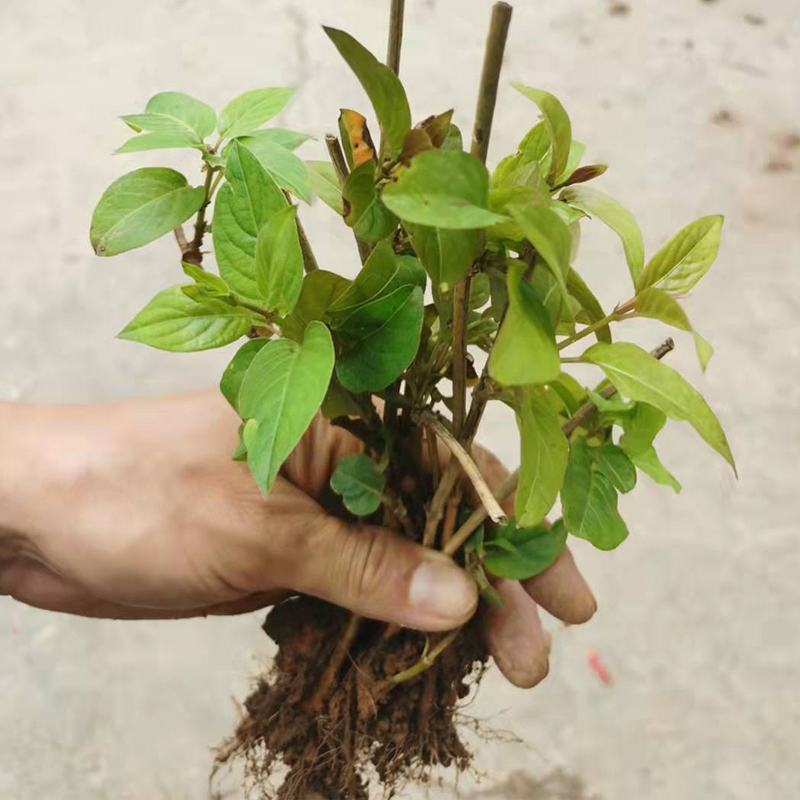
369	564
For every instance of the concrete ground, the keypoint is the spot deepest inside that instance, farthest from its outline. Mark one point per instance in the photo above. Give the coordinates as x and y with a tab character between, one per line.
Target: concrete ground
696	106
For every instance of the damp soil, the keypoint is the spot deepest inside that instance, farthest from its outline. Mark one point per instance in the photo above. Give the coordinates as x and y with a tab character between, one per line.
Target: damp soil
310	729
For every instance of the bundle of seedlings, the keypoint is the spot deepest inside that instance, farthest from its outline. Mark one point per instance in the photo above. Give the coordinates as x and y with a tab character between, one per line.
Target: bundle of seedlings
468	284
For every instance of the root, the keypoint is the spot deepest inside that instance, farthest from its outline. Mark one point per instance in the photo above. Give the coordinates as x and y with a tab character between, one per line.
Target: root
328	719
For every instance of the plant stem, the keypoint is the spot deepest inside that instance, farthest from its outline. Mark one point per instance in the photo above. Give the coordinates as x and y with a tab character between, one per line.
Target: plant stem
326	683
395	35
590	329
492	64
235	300
460	303
340	165
510	484
180	238
430	420
481	133
309	259
192	254
427	661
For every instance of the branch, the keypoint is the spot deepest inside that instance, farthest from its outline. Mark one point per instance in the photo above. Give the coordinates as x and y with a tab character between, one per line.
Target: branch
309	259
429	420
395	35
492	64
340	165
427	661
581	415
180	238
192	254
587	409
460	313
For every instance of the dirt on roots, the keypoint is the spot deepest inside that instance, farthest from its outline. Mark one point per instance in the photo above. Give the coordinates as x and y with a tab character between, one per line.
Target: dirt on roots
337	731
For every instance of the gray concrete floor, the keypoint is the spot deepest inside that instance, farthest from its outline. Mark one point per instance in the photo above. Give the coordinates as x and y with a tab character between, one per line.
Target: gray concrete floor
694	105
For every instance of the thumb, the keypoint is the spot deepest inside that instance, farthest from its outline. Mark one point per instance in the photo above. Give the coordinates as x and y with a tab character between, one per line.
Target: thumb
378	574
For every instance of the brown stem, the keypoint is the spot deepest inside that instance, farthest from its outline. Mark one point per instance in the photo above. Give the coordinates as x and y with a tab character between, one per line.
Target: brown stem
451	516
581	415
309	259
325	686
180	238
460	304
470	468
438	502
395	35
192	254
340	165
492	65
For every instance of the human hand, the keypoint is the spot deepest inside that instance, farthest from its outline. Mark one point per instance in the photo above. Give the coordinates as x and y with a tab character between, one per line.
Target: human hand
137	511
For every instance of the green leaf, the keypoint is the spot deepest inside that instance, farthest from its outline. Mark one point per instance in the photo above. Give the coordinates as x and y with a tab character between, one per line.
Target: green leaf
443	189
642	377
385	335
290	140
233	377
519	553
279	262
325	184
157	141
618	218
572	394
454	140
589	501
319	292
576	152
285	167
382	274
704	350
243	206
360	484
612	406
657	304
649	463
589	303
281	392
210	283
446	255
177	114
616	466
171	321
386	93
641	428
363	210
550	238
683	261
140	207
251	110
479	291
558	126
525	350
543	457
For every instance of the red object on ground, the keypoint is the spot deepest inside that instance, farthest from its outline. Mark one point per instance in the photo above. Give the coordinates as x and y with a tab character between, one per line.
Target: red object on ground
599	668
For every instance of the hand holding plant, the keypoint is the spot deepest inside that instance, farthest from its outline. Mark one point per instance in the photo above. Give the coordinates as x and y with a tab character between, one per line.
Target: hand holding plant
457	263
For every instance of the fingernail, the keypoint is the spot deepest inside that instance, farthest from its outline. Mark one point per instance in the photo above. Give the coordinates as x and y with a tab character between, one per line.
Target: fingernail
442	590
